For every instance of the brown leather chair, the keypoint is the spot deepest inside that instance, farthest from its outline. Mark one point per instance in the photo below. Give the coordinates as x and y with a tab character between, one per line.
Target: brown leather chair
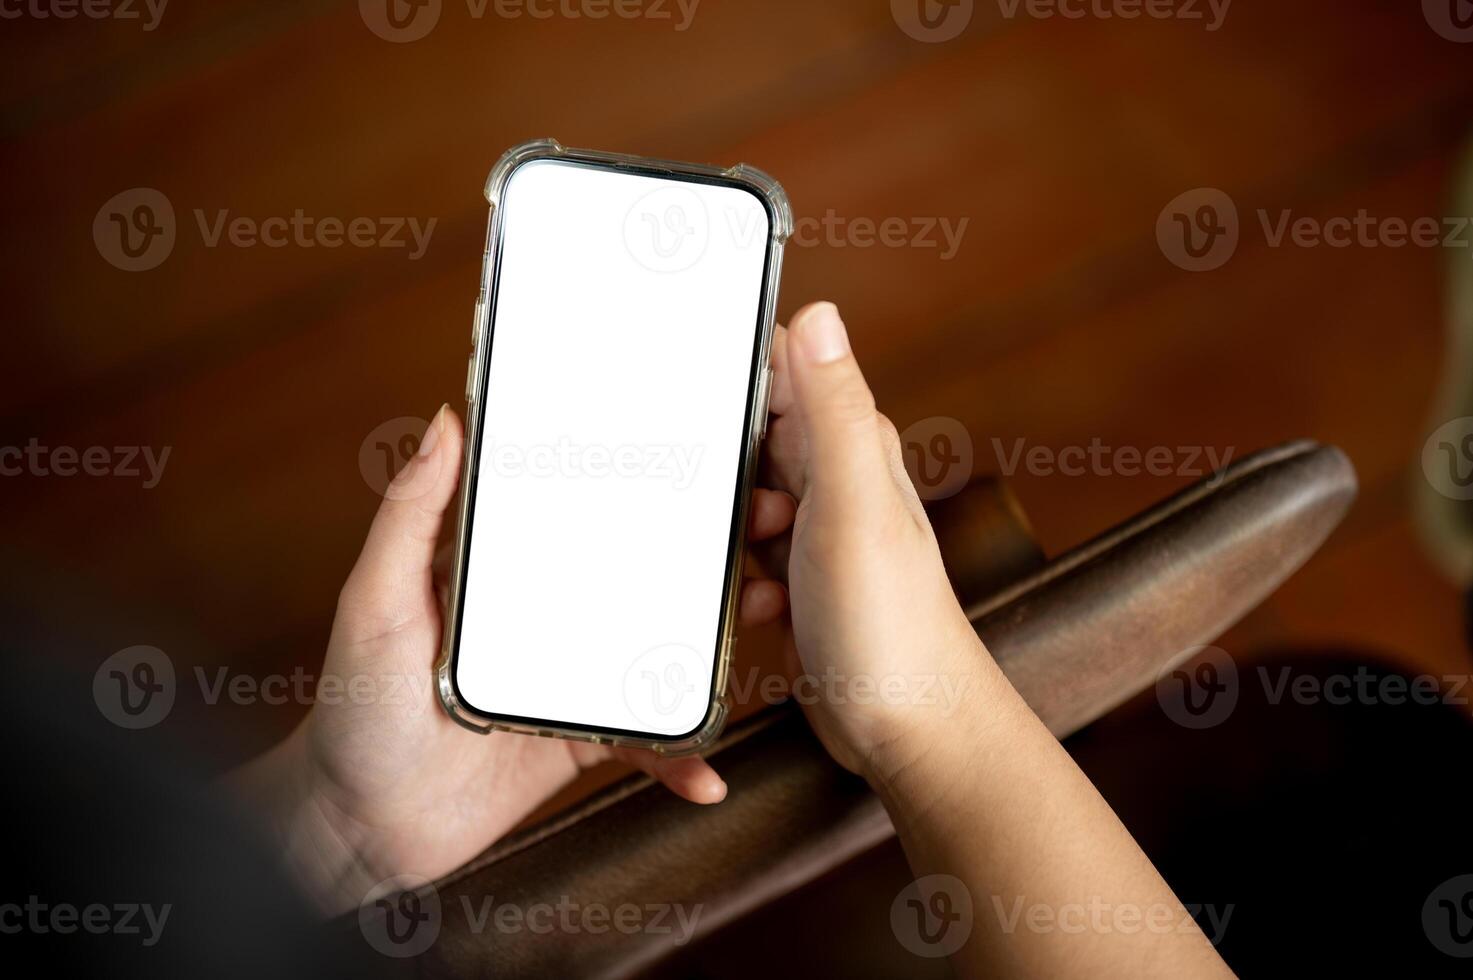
1077	635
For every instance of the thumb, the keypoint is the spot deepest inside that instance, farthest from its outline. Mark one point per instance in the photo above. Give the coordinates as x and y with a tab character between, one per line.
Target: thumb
846	458
393	581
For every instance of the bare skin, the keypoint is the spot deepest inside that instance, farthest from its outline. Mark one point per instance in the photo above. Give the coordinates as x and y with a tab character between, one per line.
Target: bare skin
981	791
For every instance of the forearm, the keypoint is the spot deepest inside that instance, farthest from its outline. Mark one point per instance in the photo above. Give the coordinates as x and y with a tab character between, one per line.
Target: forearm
1058	886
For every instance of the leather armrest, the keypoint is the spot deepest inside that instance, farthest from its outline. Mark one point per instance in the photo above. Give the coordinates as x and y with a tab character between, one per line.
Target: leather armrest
1076	636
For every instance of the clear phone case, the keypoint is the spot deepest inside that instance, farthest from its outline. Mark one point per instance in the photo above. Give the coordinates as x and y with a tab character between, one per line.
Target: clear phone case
782	227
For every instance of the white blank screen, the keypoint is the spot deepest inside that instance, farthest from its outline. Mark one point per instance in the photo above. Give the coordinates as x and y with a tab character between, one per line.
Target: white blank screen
624	327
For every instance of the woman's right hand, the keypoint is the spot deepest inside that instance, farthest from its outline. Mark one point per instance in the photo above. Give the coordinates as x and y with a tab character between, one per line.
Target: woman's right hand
988	805
880	637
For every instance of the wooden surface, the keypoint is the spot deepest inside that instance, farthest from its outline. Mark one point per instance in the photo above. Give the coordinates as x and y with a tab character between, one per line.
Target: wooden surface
1058	321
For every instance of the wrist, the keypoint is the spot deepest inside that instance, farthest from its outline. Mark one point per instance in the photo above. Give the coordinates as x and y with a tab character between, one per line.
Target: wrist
281	788
975	706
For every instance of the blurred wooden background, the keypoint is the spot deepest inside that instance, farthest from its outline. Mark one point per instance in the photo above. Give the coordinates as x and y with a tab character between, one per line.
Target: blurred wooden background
1058	320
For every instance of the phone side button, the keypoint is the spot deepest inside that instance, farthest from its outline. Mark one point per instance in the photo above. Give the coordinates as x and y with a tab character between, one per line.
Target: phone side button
765	402
477	317
470	379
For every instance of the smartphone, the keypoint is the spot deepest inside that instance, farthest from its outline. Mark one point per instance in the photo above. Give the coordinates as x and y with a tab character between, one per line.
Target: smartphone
616	397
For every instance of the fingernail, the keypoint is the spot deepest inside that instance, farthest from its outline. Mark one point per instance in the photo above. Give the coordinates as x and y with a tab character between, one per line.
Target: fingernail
823	335
432	433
